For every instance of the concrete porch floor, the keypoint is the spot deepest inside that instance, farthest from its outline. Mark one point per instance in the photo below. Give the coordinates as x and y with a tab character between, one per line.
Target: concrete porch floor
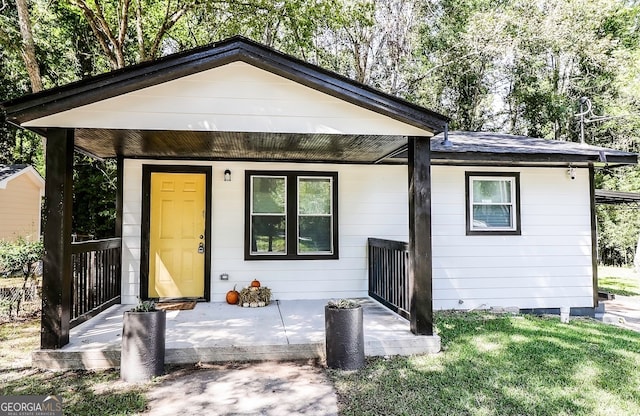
218	332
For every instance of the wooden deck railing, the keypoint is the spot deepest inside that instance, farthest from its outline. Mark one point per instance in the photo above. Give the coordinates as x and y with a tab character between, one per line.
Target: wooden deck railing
96	278
388	278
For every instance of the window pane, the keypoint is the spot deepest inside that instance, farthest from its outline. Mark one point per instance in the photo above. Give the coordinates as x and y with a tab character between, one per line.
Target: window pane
491	191
315	234
314	196
268	234
492	216
268	195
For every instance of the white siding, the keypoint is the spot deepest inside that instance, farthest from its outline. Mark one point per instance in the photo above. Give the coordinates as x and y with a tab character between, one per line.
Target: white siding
549	265
20	202
372	203
233	97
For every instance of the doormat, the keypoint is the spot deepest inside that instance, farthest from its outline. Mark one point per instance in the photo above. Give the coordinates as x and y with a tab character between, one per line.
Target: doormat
176	306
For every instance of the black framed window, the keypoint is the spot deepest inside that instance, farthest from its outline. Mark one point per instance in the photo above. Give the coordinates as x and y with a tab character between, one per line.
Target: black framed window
291	215
493	203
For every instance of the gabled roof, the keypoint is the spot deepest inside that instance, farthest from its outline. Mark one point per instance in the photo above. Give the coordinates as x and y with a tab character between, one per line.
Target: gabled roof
34	106
500	148
11	172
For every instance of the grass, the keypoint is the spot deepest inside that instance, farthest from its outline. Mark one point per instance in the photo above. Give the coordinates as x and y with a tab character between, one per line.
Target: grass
504	365
83	392
17	340
490	365
619	280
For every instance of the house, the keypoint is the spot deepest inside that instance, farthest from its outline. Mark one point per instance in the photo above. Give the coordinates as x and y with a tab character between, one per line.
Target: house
238	162
21	192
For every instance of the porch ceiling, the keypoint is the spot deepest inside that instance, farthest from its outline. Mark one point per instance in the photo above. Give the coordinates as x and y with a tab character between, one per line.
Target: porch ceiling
237	145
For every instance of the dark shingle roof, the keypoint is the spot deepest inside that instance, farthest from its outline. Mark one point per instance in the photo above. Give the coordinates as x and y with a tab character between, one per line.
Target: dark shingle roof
10	170
508	147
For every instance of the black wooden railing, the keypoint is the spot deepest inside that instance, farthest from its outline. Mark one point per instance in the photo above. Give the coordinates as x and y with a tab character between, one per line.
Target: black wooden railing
388	277
96	278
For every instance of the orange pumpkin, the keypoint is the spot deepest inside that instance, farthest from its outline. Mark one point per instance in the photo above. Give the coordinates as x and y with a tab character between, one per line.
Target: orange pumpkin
255	283
233	296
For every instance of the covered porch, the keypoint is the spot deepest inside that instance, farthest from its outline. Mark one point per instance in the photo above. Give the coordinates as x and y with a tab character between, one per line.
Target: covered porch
233	102
217	332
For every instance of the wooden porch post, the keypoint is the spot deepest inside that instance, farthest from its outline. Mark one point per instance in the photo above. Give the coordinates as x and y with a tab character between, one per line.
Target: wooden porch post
56	280
421	306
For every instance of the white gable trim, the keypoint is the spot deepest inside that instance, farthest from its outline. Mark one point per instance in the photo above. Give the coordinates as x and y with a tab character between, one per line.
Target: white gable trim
33	175
233	97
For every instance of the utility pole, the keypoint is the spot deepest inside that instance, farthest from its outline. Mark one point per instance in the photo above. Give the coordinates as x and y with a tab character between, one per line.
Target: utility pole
583	101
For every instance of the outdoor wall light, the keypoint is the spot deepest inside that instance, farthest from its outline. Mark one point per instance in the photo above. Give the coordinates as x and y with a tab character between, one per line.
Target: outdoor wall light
227	175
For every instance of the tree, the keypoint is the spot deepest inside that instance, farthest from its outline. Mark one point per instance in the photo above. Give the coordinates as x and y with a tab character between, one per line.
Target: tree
94	196
28	46
460	50
110	24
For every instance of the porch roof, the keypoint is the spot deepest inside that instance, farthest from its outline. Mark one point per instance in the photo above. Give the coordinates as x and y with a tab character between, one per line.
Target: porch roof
233	99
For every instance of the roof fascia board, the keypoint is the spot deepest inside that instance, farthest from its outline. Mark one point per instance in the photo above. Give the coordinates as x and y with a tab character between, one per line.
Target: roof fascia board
344	88
172	67
112	84
541	157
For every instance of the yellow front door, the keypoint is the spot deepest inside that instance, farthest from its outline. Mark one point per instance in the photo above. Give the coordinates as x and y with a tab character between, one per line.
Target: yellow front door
176	235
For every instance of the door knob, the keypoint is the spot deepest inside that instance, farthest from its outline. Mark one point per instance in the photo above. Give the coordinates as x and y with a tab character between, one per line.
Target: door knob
201	248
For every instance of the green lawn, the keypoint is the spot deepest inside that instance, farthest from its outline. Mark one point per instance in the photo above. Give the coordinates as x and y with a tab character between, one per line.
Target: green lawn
504	365
490	365
619	280
83	392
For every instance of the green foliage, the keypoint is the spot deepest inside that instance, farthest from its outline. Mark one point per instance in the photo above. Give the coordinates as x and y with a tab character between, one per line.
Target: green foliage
20	256
145	306
618	225
503	365
343	304
94	197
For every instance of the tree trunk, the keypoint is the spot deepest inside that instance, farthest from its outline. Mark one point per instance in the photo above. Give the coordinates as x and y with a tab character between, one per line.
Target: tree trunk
28	46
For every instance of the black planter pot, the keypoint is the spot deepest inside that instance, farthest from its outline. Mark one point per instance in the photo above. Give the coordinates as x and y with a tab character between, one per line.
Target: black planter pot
143	335
344	338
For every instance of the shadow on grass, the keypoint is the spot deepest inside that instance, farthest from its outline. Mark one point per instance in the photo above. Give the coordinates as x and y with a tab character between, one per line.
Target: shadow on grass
502	365
83	392
619	286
